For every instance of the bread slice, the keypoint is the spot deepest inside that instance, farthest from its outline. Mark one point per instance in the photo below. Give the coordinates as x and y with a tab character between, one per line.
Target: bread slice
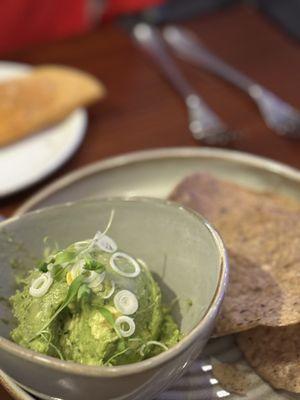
42	98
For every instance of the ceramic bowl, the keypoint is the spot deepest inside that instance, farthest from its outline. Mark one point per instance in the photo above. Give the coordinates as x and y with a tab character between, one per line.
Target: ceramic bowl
181	248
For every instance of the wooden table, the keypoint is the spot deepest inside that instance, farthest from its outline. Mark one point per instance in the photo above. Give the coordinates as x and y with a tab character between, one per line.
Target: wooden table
141	110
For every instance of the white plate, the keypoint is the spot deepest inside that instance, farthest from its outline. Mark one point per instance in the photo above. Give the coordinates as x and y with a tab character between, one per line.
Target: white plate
29	160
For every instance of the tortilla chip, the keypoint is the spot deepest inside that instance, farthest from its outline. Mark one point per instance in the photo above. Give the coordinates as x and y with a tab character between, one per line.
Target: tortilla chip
42	98
275	354
261	233
254	298
235	378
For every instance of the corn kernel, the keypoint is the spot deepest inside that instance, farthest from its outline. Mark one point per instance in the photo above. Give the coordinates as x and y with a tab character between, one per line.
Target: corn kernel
69	278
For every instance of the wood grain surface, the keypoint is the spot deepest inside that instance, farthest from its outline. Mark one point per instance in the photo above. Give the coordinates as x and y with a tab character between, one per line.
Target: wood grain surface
142	111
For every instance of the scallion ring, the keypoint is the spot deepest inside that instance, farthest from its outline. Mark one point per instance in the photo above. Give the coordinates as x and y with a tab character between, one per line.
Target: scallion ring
142	263
92	277
133	263
111	292
97	288
81	245
41	285
126	302
129	326
105	243
96	283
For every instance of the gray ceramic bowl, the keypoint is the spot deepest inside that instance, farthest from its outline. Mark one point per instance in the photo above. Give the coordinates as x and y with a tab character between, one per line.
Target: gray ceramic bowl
180	247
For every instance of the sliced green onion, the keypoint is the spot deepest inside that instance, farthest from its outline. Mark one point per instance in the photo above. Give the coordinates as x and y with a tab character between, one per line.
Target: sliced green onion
126	257
111	292
128	322
105	243
126	302
95	280
99	235
142	263
92	276
81	245
98	288
41	285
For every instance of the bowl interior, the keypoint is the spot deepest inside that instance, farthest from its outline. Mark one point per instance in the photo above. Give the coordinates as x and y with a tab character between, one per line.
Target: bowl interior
176	244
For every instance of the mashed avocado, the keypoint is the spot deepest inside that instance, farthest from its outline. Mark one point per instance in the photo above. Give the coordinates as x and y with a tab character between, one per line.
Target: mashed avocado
93	304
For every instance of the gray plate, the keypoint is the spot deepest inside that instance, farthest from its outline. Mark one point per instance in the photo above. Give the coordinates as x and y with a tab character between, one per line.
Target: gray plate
155	173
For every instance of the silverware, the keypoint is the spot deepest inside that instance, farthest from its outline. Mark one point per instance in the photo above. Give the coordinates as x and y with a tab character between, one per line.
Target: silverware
277	114
204	124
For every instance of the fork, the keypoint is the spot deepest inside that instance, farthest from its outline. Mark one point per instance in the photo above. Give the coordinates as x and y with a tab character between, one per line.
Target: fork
204	124
277	114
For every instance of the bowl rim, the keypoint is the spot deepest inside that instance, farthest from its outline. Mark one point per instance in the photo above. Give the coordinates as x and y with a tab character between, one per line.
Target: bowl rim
145	365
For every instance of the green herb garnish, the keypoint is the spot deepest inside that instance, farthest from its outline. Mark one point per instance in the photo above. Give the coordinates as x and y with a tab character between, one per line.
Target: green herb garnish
50	344
64	256
107	315
42	266
84	290
108	362
93	265
109	318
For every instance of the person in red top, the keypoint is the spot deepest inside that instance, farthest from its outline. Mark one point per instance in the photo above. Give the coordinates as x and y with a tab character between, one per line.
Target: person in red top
25	22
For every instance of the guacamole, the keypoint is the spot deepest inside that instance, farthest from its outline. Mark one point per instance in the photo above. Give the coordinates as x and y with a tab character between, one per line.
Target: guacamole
93	304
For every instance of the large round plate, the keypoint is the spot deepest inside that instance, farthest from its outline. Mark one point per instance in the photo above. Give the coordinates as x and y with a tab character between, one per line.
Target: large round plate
28	161
155	173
